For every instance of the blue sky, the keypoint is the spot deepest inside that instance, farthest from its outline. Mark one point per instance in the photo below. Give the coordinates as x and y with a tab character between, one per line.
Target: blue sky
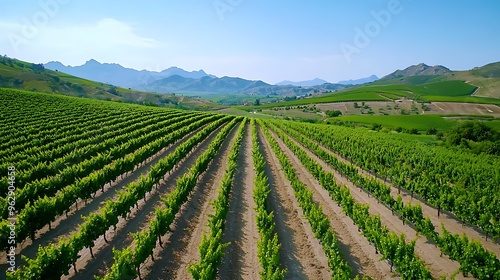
271	40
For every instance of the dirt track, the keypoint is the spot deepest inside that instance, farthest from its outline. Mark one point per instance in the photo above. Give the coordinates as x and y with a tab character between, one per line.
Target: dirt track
240	261
300	253
181	244
359	254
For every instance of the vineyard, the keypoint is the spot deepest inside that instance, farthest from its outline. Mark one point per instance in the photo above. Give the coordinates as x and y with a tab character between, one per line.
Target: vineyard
105	190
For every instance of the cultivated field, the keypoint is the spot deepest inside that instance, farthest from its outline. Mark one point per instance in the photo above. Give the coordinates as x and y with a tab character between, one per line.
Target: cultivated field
118	191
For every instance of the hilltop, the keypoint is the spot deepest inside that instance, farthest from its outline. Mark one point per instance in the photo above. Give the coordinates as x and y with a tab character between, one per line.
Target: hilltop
421	69
486	78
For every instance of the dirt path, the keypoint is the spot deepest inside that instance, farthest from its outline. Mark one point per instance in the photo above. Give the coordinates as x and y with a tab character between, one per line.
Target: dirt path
354	247
300	253
137	220
181	244
449	220
426	251
241	261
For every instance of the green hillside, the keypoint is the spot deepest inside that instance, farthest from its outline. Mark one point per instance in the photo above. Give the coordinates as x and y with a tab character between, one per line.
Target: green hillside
411	80
420	122
34	77
491	70
486	78
450	91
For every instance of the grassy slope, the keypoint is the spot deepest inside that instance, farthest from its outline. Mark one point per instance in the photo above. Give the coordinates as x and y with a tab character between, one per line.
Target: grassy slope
420	122
21	75
486	78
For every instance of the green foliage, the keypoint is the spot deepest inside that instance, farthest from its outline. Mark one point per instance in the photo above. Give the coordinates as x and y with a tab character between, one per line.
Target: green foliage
476	136
474	131
268	245
65	188
400	122
334	113
483	269
211	247
319	222
96	225
391	246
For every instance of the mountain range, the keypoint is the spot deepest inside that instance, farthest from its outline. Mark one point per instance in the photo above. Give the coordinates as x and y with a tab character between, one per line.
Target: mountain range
177	80
118	75
308	83
370	79
421	69
18	74
199	83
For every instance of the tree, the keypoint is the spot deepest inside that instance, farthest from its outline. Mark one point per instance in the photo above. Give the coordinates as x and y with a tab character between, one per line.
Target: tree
113	90
257	102
334	113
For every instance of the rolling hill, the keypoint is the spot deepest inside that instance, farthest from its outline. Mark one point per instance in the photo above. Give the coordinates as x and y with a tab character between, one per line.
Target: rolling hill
34	77
486	78
421	69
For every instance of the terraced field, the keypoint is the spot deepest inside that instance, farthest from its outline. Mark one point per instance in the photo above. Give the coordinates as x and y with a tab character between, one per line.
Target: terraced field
118	191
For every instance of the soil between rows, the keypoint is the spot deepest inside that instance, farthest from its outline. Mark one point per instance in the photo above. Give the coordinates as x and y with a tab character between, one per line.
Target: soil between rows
449	220
426	251
180	246
354	247
300	253
241	261
136	221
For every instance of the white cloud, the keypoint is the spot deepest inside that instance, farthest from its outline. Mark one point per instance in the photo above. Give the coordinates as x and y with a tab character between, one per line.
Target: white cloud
108	39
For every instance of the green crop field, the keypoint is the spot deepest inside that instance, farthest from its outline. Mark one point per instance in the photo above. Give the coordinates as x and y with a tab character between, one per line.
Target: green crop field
448	88
420	122
106	190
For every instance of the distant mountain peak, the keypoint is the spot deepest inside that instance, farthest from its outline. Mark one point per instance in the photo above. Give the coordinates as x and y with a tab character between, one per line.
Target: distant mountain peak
93	62
308	83
372	78
118	75
418	70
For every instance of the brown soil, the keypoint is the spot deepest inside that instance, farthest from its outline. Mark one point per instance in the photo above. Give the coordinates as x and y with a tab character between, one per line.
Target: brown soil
347	108
300	253
463	108
241	261
359	254
181	243
424	249
450	221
